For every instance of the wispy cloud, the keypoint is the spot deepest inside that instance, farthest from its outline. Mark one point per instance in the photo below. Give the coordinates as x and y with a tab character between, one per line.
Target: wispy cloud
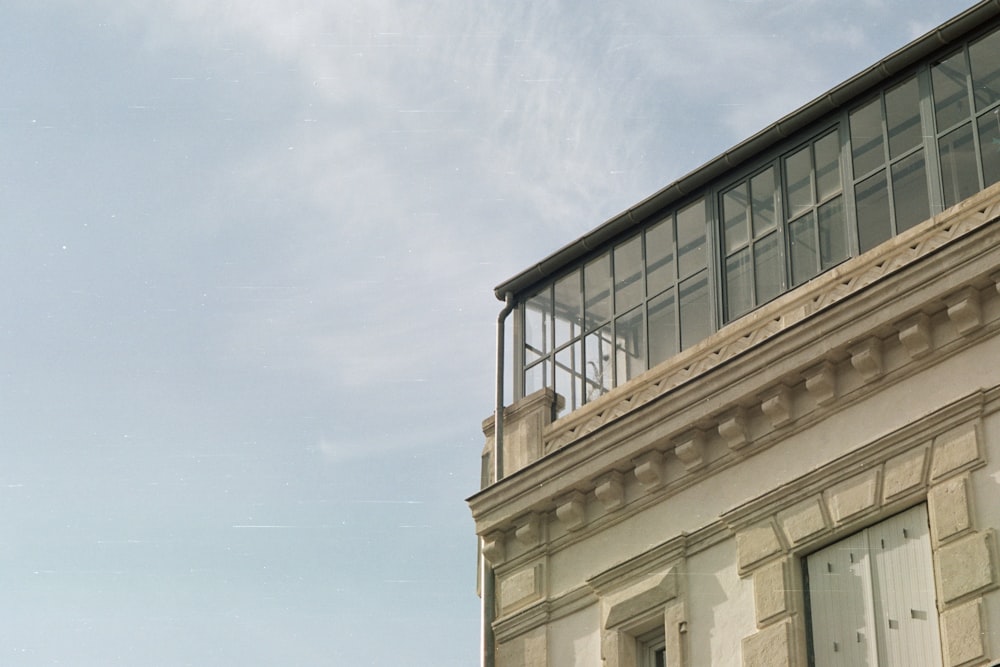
422	139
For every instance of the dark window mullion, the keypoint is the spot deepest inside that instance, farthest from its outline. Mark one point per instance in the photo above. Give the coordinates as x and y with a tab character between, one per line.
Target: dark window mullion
887	160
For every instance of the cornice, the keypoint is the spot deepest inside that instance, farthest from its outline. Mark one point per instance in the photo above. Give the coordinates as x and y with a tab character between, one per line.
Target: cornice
938	270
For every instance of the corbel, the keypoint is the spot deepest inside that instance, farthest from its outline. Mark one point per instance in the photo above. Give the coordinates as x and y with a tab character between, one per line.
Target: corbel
915	335
733	428
866	357
493	548
529	530
649	469
964	310
689	447
571	510
776	404
610	490
821	383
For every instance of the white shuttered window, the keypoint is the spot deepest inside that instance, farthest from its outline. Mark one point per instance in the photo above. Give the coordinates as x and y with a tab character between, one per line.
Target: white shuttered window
871	597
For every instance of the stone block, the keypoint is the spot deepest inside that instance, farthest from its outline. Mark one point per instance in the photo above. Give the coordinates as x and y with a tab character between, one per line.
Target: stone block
520	588
852	497
953	451
771	647
755	544
527	650
950	514
964	566
962	637
524	425
770	591
904	473
803	521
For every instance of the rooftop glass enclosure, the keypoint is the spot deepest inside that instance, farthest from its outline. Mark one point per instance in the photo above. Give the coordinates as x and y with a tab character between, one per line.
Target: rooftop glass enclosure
921	141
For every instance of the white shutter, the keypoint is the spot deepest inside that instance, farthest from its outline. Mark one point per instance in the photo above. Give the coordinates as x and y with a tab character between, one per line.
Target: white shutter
871	597
840	598
904	591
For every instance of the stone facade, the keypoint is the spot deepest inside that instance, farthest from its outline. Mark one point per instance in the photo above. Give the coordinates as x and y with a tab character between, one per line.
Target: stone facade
889	398
675	514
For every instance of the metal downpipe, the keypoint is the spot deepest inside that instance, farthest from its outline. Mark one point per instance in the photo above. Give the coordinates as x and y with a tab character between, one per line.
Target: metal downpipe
487	640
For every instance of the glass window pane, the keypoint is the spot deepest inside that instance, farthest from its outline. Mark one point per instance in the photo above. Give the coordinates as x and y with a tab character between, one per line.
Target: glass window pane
802	241
569	376
536	377
692	252
568	309
798	171
872	198
599	347
832	234
662	328
989	146
763	191
951	102
597	289
866	138
660	256
630	346
696	310
827	150
909	191
537	325
767	268
734	213
628	274
902	117
739	285
985	57
958	165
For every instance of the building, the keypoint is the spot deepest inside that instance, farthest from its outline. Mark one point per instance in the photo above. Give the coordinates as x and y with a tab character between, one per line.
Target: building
757	415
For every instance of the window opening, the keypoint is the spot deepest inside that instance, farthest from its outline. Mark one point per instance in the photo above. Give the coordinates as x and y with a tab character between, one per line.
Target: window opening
625	310
817	229
753	266
890	172
966	94
871	597
651	649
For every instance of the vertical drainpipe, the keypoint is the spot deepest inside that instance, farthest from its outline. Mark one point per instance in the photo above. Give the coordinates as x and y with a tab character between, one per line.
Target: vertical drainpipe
488	643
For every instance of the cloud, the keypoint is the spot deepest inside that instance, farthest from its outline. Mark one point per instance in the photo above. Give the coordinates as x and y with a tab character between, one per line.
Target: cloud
421	141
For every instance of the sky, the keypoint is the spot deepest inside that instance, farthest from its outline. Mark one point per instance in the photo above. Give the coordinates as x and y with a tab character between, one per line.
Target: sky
248	250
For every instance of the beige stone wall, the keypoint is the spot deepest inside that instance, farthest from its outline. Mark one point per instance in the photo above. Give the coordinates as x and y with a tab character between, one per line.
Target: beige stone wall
740	589
692	512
